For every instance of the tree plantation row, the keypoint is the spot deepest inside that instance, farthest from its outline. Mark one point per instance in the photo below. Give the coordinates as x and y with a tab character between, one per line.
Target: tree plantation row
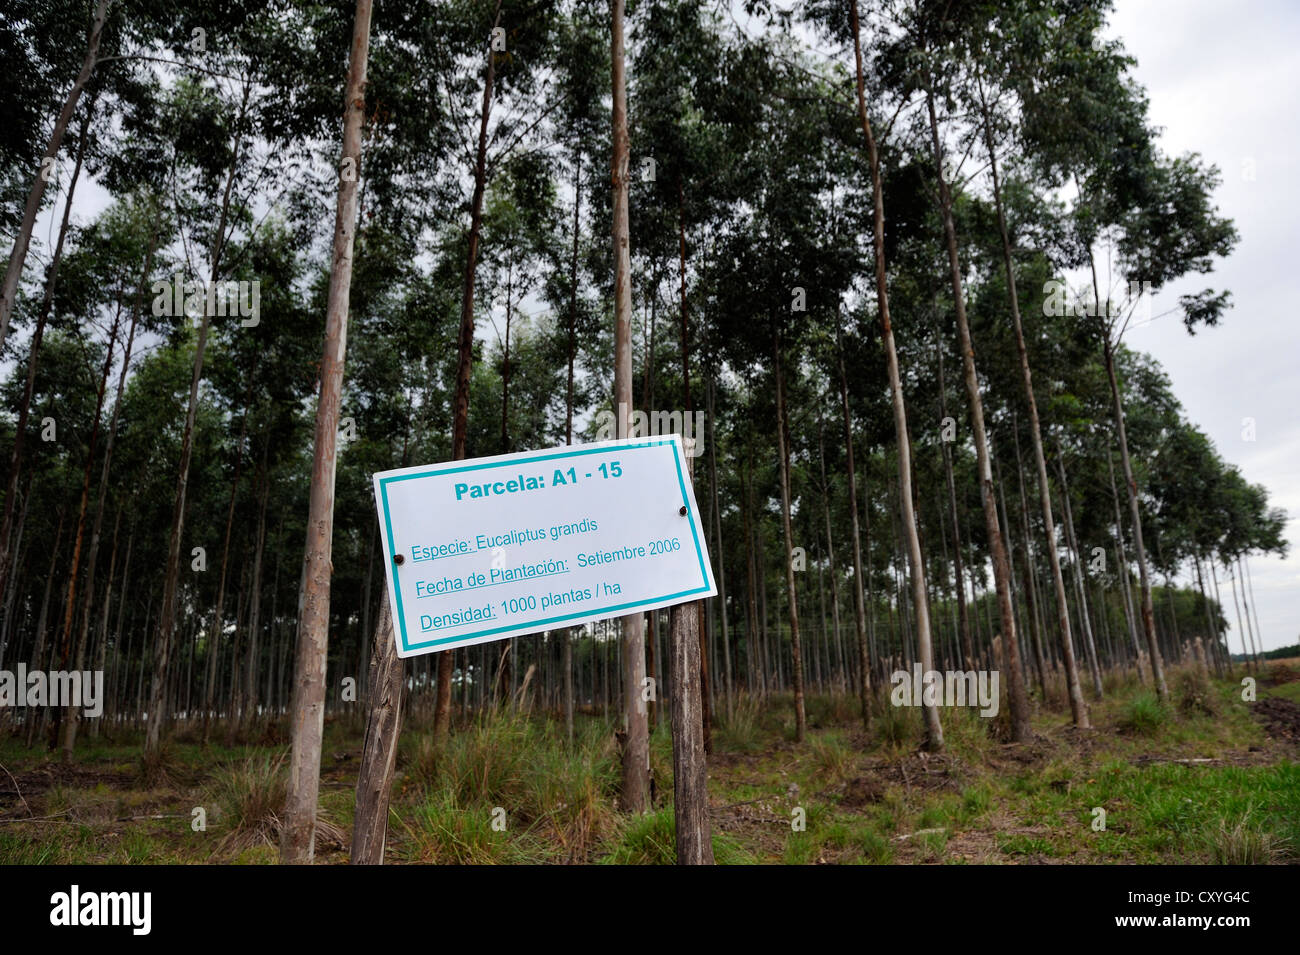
876	259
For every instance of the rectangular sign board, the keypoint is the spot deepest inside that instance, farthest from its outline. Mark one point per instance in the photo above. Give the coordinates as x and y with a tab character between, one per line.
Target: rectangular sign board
489	548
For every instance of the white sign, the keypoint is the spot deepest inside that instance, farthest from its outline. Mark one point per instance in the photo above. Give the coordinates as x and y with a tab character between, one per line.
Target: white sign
488	548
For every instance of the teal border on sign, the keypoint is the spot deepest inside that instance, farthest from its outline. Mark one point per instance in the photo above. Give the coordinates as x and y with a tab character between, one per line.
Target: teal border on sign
515	462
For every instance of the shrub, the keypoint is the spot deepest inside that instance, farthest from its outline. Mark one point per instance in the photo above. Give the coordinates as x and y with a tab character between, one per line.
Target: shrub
1143	715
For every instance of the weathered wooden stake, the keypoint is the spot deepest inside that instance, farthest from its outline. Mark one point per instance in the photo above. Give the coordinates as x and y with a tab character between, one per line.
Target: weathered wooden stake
690	775
379	752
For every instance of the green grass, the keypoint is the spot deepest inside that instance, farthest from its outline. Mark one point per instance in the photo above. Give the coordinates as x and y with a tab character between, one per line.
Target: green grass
247	798
1144	715
1025	845
1286	691
439	831
650	839
868	797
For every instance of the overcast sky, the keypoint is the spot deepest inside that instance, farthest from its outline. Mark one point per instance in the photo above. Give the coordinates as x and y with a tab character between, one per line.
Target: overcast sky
1223	80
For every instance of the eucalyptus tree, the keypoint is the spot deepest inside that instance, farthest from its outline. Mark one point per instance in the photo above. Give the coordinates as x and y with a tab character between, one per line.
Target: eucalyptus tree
995	51
915	65
298	836
1175	230
581	64
794	246
232	106
46	307
1084	120
511	41
108	273
684	114
844	25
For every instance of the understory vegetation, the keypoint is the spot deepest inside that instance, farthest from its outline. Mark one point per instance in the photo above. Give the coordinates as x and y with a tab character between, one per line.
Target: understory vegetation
1177	784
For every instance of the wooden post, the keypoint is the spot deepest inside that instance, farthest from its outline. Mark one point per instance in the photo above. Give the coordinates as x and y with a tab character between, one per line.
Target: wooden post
379	752
690	776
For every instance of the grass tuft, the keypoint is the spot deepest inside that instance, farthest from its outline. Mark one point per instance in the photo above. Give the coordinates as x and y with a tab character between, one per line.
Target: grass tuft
1143	715
1244	845
250	797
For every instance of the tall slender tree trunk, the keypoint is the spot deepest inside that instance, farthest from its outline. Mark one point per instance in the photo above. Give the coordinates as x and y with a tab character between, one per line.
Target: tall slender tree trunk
648	402
783	455
636	746
171	579
963	611
1211	635
218	618
1080	589
934	731
722	568
571	633
1250	585
1123	571
255	609
1017	696
1245	647
33	354
859	604
379	750
102	649
298	838
508	675
1034	627
74	650
1246	662
1250	628
830	560
703	633
751	591
693	830
1139	550
465	348
1078	708
874	667
505	360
